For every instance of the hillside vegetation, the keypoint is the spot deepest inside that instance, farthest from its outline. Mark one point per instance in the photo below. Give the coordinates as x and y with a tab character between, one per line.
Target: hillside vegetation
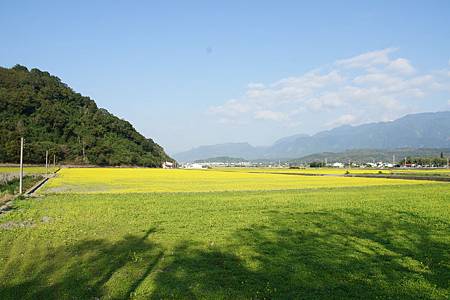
51	116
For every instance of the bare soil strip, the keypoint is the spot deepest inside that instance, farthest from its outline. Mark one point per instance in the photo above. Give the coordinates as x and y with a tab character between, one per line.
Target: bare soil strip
388	176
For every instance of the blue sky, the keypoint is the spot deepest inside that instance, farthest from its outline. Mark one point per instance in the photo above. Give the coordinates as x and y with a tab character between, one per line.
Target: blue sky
188	73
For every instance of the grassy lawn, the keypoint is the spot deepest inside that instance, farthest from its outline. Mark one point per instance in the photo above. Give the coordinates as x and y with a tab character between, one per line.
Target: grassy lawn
388	241
10	188
9	180
27	170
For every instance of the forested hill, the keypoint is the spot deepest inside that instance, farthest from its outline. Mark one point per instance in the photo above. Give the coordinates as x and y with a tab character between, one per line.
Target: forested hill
51	116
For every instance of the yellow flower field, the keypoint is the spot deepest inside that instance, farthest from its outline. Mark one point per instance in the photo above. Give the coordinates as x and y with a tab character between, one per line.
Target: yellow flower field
331	171
130	180
336	171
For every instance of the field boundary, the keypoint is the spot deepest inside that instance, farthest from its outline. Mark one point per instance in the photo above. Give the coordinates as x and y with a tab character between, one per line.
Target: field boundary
386	176
30	192
37	186
397	176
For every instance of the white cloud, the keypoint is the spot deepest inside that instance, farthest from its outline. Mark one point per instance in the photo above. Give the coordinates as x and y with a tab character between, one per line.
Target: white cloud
230	108
343	120
367	60
382	79
328	100
270	115
401	65
310	80
368	87
255	85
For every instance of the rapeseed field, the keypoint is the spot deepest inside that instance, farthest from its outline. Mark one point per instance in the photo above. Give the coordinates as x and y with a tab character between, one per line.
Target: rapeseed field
138	180
339	171
331	171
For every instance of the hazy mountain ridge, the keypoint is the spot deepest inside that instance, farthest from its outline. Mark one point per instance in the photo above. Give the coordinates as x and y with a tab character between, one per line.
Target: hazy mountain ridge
222	159
423	130
244	150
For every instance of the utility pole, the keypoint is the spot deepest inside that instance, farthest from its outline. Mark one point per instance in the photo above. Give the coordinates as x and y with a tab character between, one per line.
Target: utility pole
84	154
21	167
393	159
46	161
54	161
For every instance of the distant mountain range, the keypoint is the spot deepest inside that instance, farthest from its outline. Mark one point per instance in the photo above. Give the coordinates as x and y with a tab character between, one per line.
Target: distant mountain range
423	130
222	159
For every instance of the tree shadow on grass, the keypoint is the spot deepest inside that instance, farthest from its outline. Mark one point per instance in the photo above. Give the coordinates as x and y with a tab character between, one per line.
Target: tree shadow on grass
312	255
86	270
339	254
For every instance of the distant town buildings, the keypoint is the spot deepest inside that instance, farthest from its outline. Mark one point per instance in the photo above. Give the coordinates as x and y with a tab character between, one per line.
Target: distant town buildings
300	165
337	165
194	166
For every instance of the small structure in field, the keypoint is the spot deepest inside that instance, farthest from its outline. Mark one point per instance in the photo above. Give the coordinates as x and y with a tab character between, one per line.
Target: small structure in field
168	165
337	165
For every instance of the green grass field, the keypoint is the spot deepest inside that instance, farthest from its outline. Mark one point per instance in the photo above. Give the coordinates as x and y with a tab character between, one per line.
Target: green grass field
27	170
375	241
9	180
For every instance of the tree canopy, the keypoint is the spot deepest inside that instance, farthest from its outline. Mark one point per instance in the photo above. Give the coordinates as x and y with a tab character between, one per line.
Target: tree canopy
51	116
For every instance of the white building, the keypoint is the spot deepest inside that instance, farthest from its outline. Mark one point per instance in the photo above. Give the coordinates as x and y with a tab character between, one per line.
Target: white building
338	165
168	165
